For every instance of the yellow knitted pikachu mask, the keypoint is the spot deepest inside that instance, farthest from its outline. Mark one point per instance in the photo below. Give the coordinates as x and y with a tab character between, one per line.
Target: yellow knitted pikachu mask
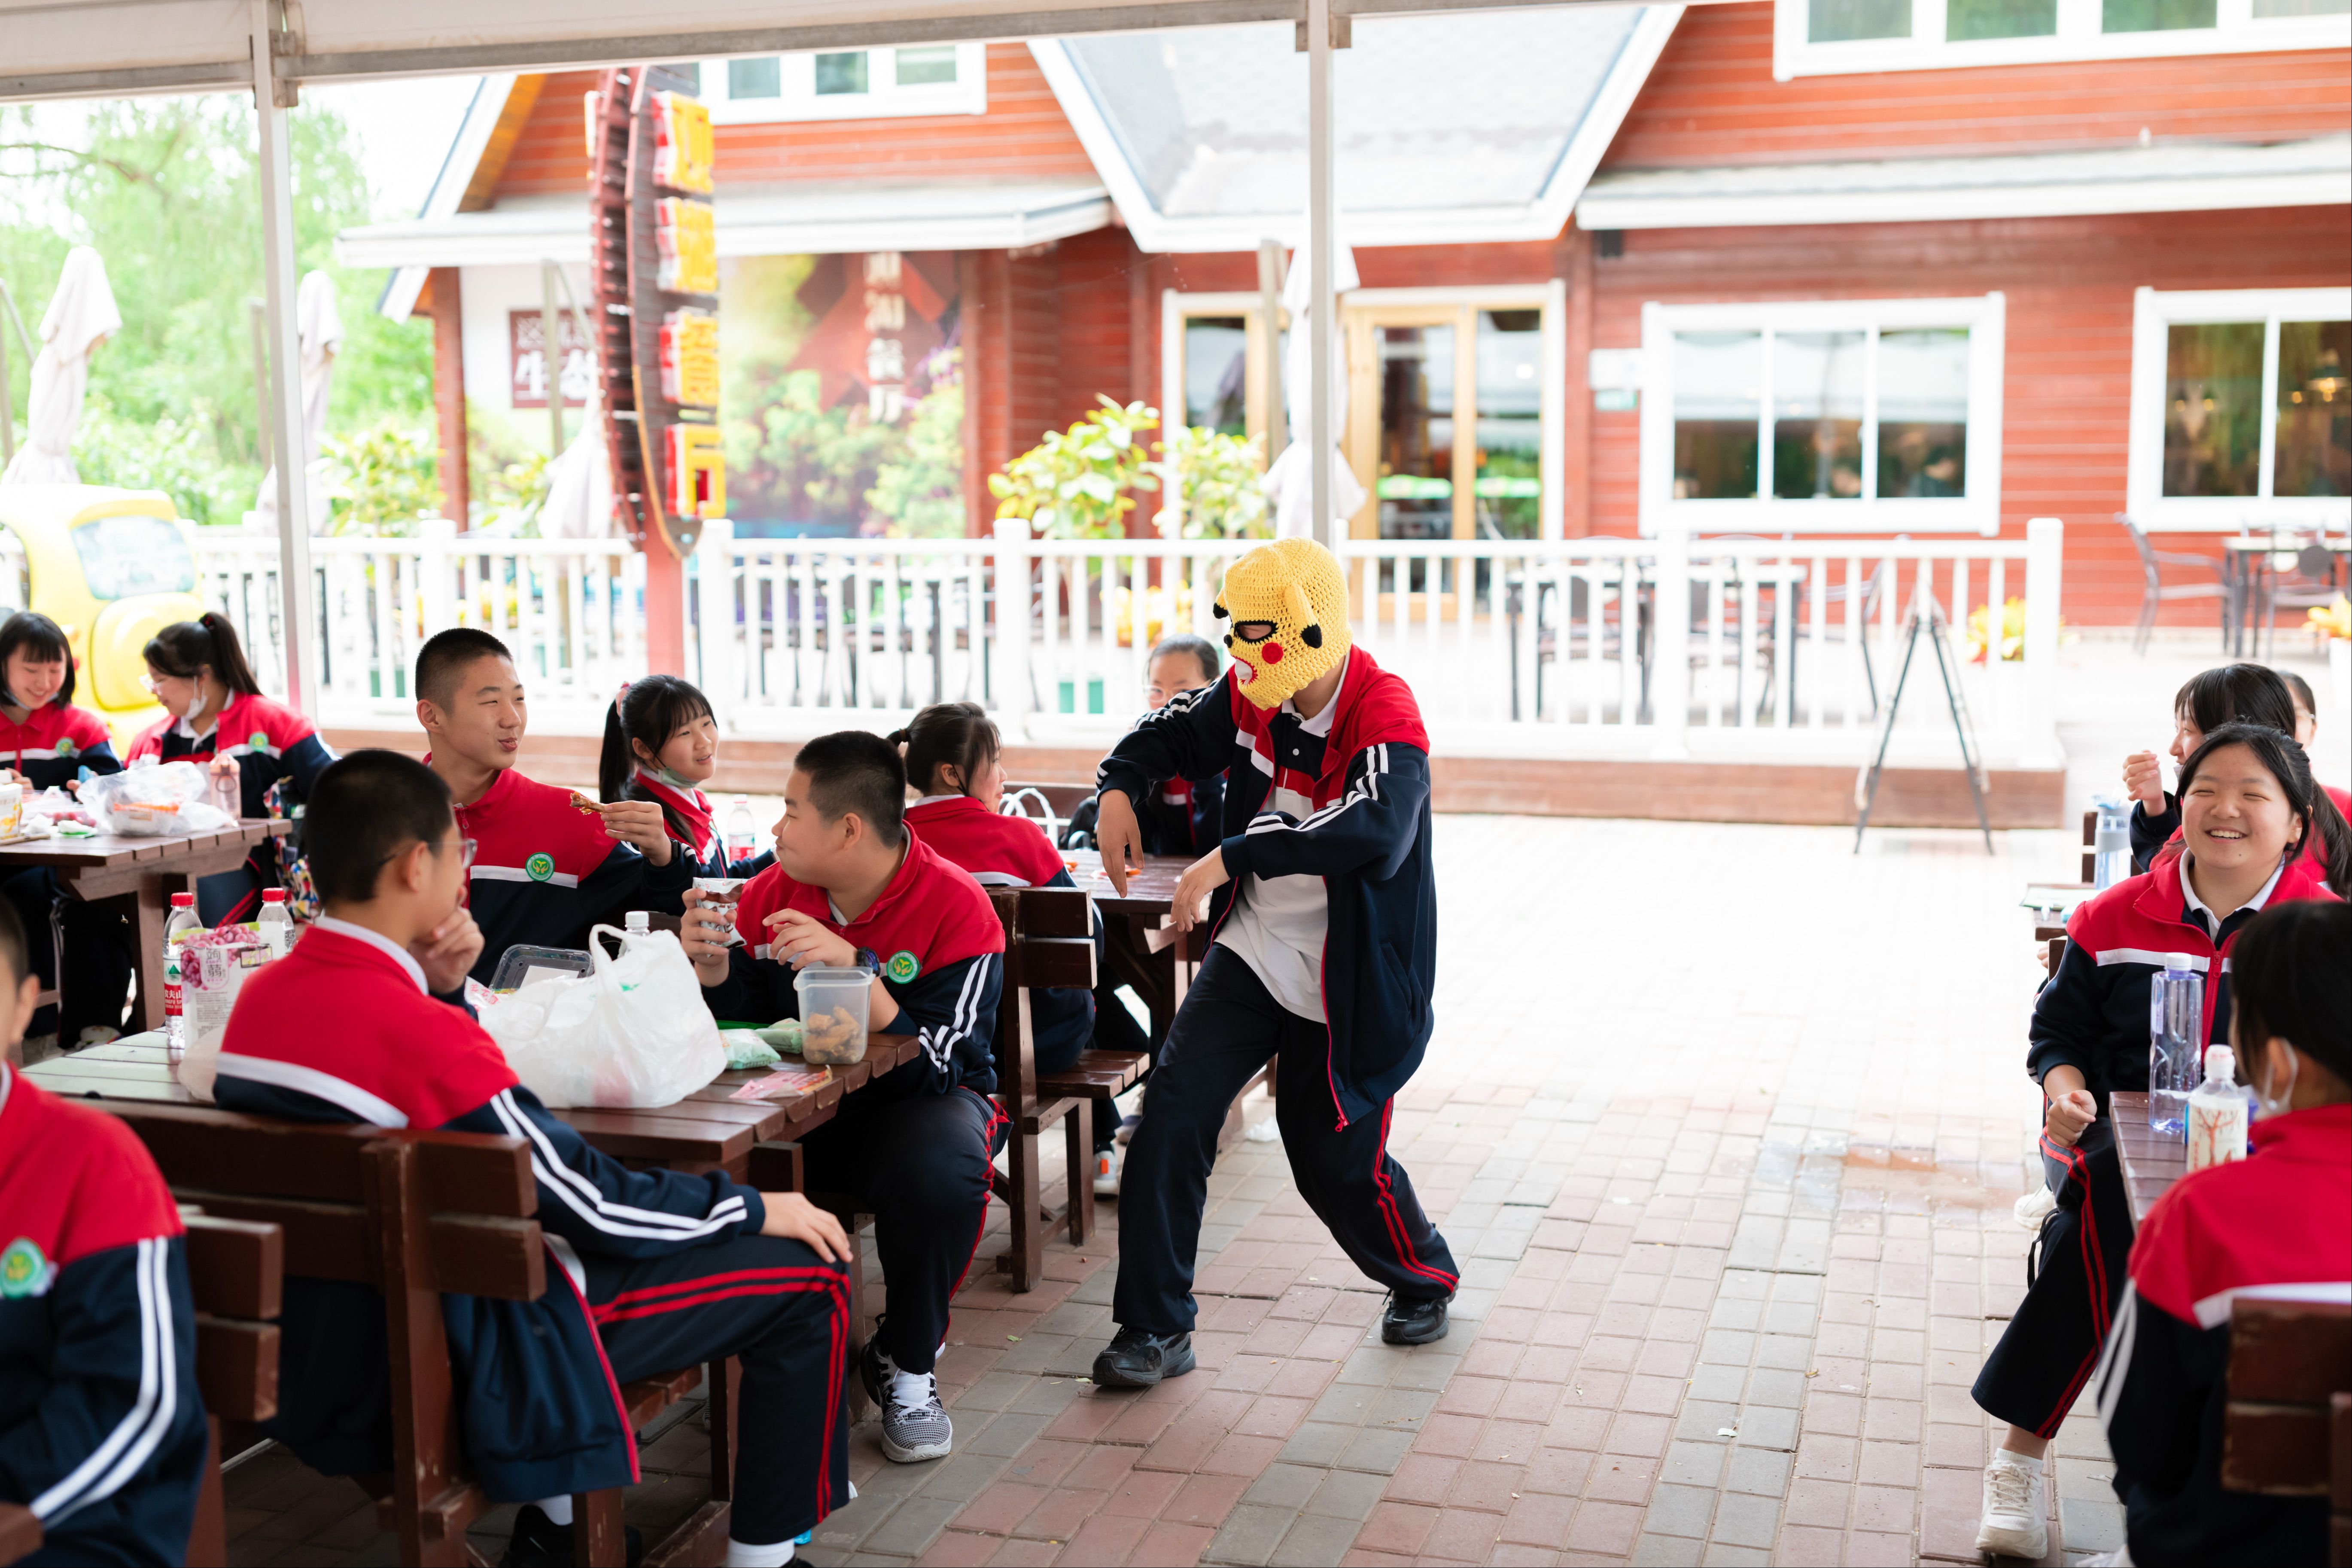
1287	603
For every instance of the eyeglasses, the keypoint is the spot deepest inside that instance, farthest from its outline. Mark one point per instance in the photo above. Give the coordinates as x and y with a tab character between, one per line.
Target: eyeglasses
467	848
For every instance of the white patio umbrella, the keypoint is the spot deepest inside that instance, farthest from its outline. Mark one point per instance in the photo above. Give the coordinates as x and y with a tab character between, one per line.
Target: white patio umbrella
82	315
579	503
1290	481
319	328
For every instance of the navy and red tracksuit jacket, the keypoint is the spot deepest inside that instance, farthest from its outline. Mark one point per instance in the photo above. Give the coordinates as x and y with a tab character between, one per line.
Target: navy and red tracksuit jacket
341	1029
1367	838
693	828
2275	1226
544	872
934	939
55	742
2092	1014
268	742
102	1429
1003	851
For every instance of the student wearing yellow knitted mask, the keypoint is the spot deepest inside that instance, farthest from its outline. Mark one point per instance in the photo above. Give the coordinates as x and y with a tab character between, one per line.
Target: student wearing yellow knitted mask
1322	907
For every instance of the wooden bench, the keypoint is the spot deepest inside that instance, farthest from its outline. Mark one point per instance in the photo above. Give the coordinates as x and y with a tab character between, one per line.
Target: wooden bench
235	1275
1048	941
417	1214
2288	1429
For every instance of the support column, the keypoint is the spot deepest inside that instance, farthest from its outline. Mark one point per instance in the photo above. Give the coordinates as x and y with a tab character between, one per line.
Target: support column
1576	476
1319	208
449	393
299	596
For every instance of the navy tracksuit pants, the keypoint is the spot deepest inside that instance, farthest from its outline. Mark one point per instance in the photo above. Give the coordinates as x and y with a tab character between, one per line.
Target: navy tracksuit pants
2046	1355
785	1312
919	1165
1227	1027
86	955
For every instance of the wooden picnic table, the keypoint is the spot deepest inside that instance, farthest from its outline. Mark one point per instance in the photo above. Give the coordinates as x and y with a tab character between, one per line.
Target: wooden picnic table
2151	1160
111	866
1151	960
709	1130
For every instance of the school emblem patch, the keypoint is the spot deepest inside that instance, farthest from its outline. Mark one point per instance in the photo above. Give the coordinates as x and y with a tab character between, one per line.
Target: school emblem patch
65	748
22	1270
540	866
258	741
903	966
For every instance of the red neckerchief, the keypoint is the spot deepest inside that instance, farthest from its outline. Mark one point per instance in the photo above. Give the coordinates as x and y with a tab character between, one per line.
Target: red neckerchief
693	808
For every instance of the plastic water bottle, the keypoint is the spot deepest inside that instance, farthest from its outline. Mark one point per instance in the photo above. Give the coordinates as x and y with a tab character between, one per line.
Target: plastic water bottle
2110	843
2176	1045
183	923
275	921
742	833
2217	1113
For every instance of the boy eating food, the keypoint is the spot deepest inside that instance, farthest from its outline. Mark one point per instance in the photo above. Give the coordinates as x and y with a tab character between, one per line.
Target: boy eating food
853	887
655	1270
548	863
101	1431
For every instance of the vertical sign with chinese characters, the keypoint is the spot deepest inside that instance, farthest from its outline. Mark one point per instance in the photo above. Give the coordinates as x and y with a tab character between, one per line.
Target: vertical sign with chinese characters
527	359
886	350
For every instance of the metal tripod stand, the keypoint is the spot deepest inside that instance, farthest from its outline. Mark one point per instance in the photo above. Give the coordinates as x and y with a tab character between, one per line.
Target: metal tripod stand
1926	615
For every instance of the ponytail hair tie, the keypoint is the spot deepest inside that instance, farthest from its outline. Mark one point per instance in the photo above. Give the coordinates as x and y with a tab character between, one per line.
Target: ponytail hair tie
899	737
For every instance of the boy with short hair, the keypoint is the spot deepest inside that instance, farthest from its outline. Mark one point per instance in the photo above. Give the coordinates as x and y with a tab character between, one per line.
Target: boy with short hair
545	868
101	1431
853	886
655	1270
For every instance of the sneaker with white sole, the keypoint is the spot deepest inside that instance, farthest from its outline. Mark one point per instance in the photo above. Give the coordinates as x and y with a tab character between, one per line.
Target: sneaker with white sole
2016	1505
1106	1164
915	1425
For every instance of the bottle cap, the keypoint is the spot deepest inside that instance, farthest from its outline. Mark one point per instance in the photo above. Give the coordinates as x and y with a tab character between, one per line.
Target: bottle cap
184	900
639	920
2222	1062
273	895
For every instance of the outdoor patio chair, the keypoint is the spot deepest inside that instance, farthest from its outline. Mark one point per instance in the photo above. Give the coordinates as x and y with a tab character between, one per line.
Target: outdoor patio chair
2154	594
2314	583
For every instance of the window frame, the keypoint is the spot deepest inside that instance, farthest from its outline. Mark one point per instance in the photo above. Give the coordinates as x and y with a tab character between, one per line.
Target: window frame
1976	511
2153	312
1360	311
2237	30
799	100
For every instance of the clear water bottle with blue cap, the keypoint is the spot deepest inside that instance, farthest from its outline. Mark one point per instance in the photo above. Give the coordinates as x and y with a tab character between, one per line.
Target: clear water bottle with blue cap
2110	843
2175	1046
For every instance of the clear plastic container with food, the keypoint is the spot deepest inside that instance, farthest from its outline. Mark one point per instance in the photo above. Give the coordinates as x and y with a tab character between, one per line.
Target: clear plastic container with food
833	1014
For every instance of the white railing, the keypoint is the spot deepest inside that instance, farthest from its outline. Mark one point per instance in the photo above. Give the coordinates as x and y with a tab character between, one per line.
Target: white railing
1724	648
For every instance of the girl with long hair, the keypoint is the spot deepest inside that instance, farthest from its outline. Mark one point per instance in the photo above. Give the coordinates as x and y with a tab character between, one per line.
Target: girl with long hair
661	744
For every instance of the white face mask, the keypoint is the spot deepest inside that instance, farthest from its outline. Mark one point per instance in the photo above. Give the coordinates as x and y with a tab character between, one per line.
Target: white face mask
2277	1107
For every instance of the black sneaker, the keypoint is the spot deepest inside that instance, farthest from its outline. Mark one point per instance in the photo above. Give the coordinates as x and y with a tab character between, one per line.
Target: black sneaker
1138	1358
1414	1321
540	1542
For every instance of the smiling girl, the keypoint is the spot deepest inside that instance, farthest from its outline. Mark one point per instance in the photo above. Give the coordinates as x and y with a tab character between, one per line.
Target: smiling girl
2248	809
661	744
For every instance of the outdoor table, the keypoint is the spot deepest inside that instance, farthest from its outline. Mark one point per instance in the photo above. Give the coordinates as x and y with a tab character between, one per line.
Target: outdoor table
2151	1160
2247	571
709	1130
1140	953
111	866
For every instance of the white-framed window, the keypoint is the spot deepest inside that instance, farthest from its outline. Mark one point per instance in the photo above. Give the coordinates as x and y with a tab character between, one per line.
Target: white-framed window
846	84
2240	408
1839	416
1820	38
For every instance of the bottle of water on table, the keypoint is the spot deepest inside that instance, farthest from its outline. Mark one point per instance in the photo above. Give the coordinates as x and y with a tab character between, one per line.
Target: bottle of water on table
2175	1046
2217	1113
2110	843
182	923
742	833
275	921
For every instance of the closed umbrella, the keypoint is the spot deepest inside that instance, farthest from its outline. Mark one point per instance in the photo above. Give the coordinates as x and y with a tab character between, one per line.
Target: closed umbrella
1290	481
318	330
81	317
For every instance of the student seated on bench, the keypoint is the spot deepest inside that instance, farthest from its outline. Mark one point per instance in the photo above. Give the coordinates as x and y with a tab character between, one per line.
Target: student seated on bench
852	887
101	1431
545	869
363	1022
2276	1225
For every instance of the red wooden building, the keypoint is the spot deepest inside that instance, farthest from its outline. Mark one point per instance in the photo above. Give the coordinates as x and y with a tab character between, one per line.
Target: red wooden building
1778	266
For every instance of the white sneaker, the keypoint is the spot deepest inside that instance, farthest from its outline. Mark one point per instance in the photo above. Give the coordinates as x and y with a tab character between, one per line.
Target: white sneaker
2016	1506
2034	1207
1106	1164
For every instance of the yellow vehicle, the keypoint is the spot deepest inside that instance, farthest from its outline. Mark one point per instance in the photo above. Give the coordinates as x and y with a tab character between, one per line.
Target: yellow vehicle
113	568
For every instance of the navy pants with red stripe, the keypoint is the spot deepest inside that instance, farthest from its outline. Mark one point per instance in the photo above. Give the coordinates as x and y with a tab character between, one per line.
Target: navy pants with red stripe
785	1311
2045	1357
1227	1027
919	1164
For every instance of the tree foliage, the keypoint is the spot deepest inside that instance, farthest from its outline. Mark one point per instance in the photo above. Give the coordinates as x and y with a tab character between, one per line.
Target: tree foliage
167	191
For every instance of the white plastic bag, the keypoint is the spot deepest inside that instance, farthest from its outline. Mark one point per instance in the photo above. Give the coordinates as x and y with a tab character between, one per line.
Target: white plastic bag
634	1033
173	797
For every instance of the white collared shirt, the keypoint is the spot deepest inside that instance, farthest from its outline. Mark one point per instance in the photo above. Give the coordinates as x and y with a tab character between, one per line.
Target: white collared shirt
378	941
2213	922
1278	923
